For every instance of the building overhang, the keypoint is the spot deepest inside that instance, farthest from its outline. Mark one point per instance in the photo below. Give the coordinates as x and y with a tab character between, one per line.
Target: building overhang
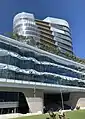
10	83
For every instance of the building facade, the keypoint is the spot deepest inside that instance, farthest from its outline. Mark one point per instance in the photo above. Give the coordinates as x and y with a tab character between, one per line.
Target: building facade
31	77
39	71
62	34
33	64
50	33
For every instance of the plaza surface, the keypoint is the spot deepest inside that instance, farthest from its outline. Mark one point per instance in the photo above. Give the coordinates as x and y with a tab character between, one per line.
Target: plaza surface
80	114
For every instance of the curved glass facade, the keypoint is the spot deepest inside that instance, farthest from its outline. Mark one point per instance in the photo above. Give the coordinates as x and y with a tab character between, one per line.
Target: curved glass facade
24	25
60	30
66	37
21	63
53	31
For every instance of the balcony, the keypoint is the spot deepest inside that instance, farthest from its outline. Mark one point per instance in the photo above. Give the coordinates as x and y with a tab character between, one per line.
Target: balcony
40	22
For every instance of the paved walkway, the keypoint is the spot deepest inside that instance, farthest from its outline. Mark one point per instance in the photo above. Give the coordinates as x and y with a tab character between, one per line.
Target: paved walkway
10	116
15	115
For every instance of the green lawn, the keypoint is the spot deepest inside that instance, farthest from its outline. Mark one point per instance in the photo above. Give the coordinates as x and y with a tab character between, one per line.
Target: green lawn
71	115
76	114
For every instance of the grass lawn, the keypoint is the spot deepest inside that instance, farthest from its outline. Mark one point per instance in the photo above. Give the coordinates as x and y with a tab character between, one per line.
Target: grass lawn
80	114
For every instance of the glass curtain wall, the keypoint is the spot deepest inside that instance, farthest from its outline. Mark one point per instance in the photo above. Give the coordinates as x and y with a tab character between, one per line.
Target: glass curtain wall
22	64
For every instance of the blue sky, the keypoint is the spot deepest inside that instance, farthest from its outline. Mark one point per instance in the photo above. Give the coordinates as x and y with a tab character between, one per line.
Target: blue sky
71	10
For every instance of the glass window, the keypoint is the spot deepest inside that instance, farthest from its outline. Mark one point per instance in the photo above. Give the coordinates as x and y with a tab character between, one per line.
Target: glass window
3	73
25	64
29	64
62	36
63	41
61	27
4	45
64	46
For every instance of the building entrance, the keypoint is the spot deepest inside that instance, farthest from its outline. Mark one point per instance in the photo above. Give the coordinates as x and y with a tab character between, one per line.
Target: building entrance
54	101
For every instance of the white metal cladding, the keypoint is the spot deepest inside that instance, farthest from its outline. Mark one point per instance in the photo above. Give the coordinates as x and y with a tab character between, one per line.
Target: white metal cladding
56	21
57	30
23	15
28	84
24	23
60	32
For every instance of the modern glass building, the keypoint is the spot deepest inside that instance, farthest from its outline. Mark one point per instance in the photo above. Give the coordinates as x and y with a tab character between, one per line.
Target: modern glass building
61	32
49	33
28	63
49	73
32	77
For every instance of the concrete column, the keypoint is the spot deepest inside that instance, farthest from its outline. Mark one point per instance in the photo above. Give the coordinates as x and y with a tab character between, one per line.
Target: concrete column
35	103
14	110
76	99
